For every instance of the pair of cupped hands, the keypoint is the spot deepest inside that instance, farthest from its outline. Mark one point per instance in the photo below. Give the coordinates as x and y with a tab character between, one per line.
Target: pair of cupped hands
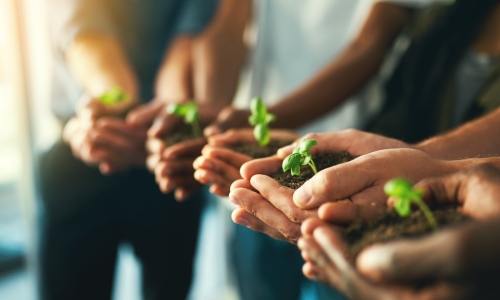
457	262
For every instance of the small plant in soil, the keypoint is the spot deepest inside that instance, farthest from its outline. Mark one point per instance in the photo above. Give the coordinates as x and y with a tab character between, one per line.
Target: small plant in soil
404	194
301	156
188	111
260	118
113	96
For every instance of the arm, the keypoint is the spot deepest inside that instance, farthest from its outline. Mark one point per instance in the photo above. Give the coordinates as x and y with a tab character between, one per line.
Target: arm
474	139
346	74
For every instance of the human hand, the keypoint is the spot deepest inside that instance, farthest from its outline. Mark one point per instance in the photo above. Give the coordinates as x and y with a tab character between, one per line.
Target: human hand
355	142
220	166
100	139
323	250
361	182
475	191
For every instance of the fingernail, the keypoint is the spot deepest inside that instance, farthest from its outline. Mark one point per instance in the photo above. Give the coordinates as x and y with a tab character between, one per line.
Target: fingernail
302	196
241	221
235	200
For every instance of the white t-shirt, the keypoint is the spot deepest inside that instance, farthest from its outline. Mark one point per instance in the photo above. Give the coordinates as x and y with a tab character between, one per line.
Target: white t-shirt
295	39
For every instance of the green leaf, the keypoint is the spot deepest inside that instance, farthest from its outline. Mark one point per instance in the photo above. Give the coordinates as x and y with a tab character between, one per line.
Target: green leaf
259	110
262	134
398	187
306	145
306	160
270	118
253	120
291	161
402	207
191	116
177	109
296	170
113	96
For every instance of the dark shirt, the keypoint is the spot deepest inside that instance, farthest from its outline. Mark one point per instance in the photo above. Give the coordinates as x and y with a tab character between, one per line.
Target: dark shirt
144	27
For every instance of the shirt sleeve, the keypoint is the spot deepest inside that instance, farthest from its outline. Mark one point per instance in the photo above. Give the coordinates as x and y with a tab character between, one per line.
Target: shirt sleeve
196	15
70	18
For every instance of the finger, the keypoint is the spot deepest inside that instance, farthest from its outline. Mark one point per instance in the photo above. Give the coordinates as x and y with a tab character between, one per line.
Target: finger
163	125
174	168
345	212
145	114
243	218
183	192
218	190
190	148
281	198
231	137
266	212
285	151
312	252
244	184
105	138
228	172
155	146
152	162
427	258
266	166
227	118
331	184
309	225
227	155
169	184
91	109
118	126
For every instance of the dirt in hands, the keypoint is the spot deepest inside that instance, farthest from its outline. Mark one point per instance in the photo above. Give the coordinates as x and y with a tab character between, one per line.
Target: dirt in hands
183	133
254	150
322	161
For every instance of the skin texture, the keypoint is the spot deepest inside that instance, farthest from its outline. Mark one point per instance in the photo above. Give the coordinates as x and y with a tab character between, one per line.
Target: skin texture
95	134
351	190
219	166
461	263
197	59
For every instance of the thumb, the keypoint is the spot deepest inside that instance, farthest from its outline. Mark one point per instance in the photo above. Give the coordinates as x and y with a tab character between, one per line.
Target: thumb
163	125
228	118
145	114
411	260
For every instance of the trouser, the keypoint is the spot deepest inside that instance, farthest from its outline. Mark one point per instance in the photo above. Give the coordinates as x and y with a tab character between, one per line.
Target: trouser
84	216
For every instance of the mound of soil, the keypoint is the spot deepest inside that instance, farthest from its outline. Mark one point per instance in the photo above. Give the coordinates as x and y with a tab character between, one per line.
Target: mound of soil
322	161
254	150
182	134
391	226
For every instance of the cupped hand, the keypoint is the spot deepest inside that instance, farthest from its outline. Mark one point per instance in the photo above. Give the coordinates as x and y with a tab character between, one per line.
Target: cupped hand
267	206
355	142
361	182
100	139
475	191
323	250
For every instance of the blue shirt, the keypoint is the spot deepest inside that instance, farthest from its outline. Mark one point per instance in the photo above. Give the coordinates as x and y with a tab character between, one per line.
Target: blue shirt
144	27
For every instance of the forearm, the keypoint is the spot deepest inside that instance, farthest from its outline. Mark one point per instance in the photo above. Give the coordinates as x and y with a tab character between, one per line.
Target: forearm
474	139
99	63
348	73
221	53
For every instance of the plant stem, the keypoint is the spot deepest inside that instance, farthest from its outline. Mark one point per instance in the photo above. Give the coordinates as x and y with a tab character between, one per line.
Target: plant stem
196	129
427	213
313	166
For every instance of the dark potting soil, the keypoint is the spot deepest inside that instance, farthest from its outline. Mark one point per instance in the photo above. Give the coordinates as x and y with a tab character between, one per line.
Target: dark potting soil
254	150
391	226
183	133
322	161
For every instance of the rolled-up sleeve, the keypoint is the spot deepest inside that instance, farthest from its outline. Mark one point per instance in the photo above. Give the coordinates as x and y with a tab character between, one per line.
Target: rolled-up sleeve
70	18
196	15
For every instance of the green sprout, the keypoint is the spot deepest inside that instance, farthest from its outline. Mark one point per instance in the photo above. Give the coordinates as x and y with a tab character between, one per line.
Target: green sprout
402	190
188	111
260	118
113	96
301	156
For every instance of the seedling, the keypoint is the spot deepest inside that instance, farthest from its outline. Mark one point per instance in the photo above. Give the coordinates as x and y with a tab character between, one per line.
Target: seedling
188	111
402	190
301	156
113	96
260	118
